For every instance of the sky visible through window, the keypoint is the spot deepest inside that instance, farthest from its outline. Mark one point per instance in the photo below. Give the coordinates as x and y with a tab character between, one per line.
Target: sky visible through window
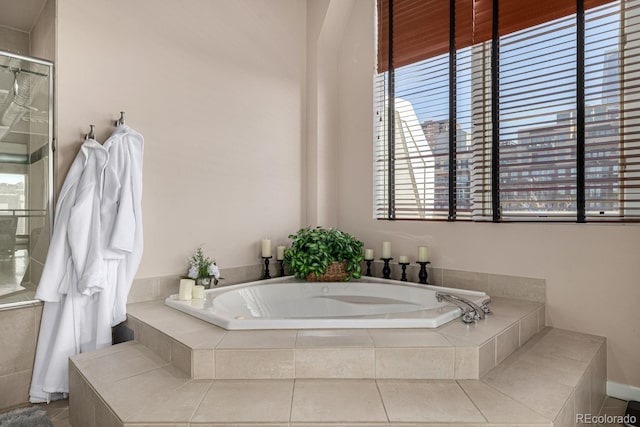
11	178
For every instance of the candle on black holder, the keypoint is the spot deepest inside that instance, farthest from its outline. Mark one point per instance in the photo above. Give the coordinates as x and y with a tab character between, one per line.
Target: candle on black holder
403	260
368	273
267	275
368	258
423	275
386	270
280	258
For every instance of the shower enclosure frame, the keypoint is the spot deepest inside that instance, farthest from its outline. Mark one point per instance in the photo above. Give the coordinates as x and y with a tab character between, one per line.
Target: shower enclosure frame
50	153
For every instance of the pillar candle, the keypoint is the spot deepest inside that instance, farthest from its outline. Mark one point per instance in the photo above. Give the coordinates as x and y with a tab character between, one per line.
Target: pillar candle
198	303
198	292
280	253
186	289
403	259
386	249
422	253
266	248
368	254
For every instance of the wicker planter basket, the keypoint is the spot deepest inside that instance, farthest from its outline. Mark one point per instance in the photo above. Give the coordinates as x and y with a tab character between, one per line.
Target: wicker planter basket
336	272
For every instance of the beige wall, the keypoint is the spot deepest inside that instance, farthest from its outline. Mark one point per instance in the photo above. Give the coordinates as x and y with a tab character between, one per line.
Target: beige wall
14	41
592	271
326	21
43	33
217	88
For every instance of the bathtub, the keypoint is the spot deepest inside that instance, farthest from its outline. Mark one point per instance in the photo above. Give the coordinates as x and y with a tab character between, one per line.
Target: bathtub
288	303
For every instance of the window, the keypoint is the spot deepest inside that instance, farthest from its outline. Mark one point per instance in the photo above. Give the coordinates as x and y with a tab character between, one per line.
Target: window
13	198
533	116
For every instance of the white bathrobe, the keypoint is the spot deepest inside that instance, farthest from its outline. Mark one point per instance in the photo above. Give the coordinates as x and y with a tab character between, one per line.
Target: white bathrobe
122	233
95	251
73	275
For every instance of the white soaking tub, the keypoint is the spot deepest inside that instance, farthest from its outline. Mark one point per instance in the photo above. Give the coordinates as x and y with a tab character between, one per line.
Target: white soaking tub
288	303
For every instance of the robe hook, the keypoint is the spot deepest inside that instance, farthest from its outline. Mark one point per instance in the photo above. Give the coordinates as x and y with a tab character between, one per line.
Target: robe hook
120	121
91	134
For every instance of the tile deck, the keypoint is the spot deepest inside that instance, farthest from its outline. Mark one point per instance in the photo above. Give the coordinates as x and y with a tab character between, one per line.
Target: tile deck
59	414
452	351
279	378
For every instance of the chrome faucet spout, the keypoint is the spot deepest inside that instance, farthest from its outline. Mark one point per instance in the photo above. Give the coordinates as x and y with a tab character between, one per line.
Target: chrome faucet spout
467	316
478	312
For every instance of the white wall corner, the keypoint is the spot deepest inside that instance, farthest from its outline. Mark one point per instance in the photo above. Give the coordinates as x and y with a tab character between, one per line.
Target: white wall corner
623	391
326	24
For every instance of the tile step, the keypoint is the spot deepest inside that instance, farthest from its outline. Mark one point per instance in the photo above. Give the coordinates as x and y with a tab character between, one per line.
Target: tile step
452	351
546	382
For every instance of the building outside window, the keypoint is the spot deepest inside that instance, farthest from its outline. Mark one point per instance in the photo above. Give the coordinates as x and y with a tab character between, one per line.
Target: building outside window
540	121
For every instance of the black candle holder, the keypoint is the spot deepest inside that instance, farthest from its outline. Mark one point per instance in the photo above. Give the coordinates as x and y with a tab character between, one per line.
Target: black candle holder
368	261
404	271
423	275
281	261
266	267
386	270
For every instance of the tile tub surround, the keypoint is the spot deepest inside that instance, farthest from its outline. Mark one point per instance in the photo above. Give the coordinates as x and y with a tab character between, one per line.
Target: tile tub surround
130	385
19	328
158	288
451	351
495	285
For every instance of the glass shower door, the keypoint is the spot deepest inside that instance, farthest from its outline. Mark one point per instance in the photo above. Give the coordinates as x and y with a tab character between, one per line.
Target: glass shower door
25	173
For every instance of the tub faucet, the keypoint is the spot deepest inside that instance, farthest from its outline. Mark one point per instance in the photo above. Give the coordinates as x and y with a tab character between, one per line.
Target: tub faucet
470	310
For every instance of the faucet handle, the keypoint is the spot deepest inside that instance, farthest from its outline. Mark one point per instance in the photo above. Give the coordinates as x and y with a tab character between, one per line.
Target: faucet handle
468	317
485	307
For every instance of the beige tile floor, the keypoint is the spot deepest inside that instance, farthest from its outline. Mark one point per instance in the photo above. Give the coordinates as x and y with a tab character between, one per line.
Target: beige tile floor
59	411
12	271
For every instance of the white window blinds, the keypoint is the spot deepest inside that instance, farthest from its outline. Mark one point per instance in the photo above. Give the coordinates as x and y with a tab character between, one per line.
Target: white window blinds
563	103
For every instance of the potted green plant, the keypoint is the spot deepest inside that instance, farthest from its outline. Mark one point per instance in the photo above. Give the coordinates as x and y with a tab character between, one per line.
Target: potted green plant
203	269
324	255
